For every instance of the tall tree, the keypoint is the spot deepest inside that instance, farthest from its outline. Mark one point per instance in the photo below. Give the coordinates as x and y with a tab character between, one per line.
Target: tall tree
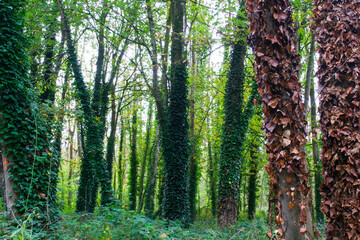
145	157
237	115
92	167
336	29
175	142
277	74
27	165
133	164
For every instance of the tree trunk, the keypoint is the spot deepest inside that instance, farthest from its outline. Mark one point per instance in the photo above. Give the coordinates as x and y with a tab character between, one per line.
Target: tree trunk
176	152
151	178
92	167
120	170
309	72
314	137
252	181
71	164
277	74
133	165
336	29
192	160
212	180
24	133
237	114
145	157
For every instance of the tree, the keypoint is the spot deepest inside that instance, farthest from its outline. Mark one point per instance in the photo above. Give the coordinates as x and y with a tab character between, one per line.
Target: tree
93	169
133	164
277	74
237	113
339	109
27	166
175	143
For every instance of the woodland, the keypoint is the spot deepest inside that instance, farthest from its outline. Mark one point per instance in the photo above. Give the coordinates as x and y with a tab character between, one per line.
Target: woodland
180	119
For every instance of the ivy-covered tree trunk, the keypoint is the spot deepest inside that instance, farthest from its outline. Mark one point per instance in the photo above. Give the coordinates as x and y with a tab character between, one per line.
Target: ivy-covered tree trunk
337	32
92	167
133	165
212	180
237	115
277	74
175	144
28	169
120	163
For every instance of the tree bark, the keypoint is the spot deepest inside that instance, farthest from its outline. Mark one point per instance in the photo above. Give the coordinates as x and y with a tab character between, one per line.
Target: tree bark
336	28
277	74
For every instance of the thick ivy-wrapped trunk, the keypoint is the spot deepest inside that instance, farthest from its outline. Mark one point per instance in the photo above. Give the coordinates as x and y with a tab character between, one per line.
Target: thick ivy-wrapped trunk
176	142
237	115
232	139
28	169
277	73
337	32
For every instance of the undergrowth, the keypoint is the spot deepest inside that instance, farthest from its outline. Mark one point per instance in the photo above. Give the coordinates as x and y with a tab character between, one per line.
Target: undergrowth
116	223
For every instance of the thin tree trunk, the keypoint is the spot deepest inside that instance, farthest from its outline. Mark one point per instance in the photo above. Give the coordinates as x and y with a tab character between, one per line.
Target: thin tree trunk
92	173
252	181
151	177
145	157
120	170
164	59
192	159
71	164
212	180
315	152
309	72
133	165
277	74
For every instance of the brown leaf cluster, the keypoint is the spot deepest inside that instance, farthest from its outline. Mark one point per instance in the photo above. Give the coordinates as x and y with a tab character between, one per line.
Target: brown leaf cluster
277	73
337	28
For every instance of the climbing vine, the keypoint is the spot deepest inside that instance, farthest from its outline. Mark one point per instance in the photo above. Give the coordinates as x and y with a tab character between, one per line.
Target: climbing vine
27	162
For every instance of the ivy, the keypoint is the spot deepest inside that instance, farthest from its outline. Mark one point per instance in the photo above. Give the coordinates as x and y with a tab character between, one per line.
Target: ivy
24	128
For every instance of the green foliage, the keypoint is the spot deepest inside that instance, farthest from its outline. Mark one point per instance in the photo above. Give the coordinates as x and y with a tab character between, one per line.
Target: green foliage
115	223
24	129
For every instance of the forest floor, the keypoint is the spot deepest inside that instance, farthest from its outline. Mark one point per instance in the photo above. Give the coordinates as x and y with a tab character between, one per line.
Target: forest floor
116	223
